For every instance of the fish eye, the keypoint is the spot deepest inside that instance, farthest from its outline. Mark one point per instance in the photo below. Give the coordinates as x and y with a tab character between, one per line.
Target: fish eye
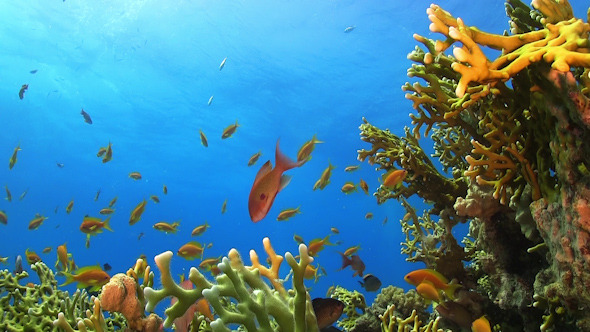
262	197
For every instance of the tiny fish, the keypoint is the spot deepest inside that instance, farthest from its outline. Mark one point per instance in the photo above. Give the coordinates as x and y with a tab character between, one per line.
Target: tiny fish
139	236
108	155
304	153
113	201
32	256
101	151
369	216
352	250
224	207
155	198
394	178
334	230
200	229
203	138
136	212
46	250
229	130
60	165
287	213
165	190
86	116
348	188
166	227
210	101
3	217
21	92
135	175
106	211
106	267
36	221
364	186
95	225
69	207
8	194
191	250
298	239
220	66
351	168
254	158
385	220
12	159
324	179
34	71
97	195
349	29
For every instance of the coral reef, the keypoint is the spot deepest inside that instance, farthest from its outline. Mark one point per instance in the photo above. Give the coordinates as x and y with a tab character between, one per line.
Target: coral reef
511	137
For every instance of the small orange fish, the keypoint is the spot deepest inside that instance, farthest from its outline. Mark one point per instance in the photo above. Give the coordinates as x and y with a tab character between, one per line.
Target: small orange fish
298	239
229	130
324	179
287	213
155	198
304	153
191	250
317	245
12	159
32	256
394	178
348	188
267	184
254	158
327	311
481	325
352	250
108	153
3	217
418	277
62	258
135	175
199	230
369	216
94	225
166	227
136	212
334	230
46	250
364	186
427	290
112	202
207	263
69	207
101	151
106	211
89	276
165	190
203	138
36	222
97	195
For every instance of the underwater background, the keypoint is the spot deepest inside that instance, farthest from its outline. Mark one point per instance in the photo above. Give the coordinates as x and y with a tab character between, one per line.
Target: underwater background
145	72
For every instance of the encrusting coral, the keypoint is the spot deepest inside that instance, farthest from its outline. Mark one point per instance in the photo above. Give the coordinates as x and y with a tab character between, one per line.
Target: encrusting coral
512	136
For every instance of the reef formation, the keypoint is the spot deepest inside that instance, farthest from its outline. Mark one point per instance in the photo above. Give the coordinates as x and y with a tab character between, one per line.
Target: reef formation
511	136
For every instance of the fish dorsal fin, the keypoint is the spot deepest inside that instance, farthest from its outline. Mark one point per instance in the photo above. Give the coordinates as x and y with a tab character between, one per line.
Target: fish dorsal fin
265	169
285	179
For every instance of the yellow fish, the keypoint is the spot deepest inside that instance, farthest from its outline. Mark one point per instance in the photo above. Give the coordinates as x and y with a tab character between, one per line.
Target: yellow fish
200	229
3	217
112	202
191	250
135	175
229	130
348	188
155	198
94	225
12	159
324	179
224	207
108	153
167	227
481	325
287	213
36	222
32	256
254	158
69	207
203	138
137	211
304	153
106	211
364	186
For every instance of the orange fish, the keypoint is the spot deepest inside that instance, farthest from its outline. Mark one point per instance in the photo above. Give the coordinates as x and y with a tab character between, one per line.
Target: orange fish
287	213
135	175
348	188
62	258
89	276
155	198
224	207
3	217
481	325
254	158
32	256
46	250
394	178
106	211
334	230
229	130
191	250
112	202
108	153
101	151
364	186
352	250
317	245
165	189
436	279
94	225
324	179
166	227
369	216
351	168
200	229
267	184
137	211
327	311
304	153
36	222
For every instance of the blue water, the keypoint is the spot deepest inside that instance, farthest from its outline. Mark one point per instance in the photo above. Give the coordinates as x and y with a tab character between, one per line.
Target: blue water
144	71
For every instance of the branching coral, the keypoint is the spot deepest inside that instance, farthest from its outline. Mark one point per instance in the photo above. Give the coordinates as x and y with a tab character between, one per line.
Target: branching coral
240	295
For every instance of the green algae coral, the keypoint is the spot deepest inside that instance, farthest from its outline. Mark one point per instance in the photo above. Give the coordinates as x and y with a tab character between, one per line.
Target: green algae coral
34	307
240	295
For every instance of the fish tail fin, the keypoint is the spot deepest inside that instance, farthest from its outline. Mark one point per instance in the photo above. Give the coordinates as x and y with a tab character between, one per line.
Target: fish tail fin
283	162
69	278
451	289
107	225
345	261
